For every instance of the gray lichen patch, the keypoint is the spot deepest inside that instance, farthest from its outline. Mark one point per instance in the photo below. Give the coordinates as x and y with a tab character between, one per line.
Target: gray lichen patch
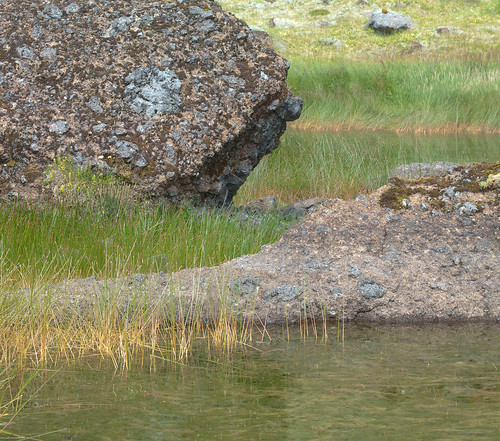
153	91
283	293
370	290
244	286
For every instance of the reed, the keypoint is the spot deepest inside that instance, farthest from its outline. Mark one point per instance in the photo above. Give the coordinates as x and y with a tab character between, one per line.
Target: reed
40	326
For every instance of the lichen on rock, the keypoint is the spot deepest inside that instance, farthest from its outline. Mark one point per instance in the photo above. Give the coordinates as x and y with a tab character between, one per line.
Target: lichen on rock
178	97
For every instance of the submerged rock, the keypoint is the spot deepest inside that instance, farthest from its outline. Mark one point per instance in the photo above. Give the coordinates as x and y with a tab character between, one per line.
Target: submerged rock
180	99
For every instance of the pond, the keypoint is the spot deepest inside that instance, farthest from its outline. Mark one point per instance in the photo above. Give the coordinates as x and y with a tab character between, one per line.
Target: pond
432	382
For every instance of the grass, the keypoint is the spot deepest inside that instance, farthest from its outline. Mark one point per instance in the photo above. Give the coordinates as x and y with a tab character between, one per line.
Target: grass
109	238
344	165
302	35
453	96
13	383
417	80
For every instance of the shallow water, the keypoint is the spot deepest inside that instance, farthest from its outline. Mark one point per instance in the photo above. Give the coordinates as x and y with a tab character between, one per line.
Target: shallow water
434	382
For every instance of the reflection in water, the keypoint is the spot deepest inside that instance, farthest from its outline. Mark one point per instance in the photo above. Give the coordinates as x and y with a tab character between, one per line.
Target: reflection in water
435	382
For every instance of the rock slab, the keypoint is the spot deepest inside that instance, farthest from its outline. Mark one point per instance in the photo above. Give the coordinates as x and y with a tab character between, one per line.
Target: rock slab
435	257
179	98
389	22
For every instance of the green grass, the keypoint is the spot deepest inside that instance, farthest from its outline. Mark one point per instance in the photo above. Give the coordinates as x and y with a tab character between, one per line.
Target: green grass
346	20
346	164
416	80
398	95
112	237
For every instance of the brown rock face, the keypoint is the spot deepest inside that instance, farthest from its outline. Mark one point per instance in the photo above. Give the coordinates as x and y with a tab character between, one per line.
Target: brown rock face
357	260
434	257
176	96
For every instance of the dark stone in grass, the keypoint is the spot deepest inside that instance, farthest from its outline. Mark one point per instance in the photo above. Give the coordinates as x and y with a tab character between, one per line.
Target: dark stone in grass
390	22
299	209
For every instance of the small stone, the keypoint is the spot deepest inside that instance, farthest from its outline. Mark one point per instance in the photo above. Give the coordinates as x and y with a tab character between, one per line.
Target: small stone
334	42
141	162
354	271
26	52
94	104
263	205
284	23
126	150
466	209
52	11
99	127
390	22
72	8
441	30
336	292
49	53
450	192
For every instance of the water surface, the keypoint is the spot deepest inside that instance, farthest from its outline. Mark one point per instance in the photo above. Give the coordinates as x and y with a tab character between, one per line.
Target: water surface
434	382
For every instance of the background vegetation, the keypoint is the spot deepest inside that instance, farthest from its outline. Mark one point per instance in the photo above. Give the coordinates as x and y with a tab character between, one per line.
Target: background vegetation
299	27
397	95
418	80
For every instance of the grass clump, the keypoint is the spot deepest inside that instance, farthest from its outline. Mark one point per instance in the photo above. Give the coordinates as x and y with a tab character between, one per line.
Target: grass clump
399	95
110	238
318	12
346	164
79	184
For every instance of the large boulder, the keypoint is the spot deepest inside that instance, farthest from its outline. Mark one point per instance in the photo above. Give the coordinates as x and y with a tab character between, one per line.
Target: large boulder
177	97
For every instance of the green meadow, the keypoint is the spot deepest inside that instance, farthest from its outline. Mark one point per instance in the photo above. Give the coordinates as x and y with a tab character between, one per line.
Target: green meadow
421	80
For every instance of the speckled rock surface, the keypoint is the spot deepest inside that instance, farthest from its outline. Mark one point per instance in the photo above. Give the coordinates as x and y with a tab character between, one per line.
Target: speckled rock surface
356	260
177	97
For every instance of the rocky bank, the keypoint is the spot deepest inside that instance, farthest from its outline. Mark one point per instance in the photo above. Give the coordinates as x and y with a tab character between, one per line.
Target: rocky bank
413	251
177	97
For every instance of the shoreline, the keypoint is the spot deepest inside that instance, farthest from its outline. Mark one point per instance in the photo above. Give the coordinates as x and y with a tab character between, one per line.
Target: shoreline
441	130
